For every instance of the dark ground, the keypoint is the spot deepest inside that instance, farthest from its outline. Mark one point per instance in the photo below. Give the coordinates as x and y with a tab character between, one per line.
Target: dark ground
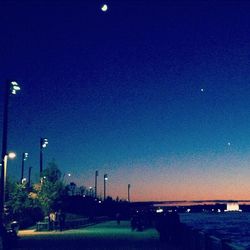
107	235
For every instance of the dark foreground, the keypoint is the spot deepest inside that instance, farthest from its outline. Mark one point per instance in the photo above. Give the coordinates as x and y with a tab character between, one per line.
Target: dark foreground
107	235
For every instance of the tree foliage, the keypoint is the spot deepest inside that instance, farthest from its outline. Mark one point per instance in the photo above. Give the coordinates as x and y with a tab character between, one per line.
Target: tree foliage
21	206
19	199
50	188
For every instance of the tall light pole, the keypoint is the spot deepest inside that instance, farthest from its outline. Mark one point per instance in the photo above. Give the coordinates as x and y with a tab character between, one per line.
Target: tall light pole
105	182
6	157
129	186
24	158
96	175
10	87
29	177
66	174
43	144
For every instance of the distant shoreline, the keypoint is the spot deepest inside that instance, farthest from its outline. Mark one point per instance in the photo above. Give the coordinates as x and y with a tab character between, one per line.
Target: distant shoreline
192	203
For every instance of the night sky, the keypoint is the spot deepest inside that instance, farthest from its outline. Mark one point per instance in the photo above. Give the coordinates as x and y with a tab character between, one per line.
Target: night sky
153	93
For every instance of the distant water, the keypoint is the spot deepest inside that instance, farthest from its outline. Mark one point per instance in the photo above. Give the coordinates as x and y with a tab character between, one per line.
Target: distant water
231	225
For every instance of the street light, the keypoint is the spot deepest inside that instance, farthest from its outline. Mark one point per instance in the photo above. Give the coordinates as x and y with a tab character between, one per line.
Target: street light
14	87
43	144
105	181
66	174
11	155
91	191
96	175
24	158
10	87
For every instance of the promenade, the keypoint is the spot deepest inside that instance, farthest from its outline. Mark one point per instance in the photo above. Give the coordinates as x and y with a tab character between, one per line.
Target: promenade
106	235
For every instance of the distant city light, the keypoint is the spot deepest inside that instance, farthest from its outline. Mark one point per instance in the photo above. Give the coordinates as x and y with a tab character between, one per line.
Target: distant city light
159	210
233	207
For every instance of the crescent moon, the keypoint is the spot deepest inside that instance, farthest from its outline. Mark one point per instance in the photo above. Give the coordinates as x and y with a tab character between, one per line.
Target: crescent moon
104	7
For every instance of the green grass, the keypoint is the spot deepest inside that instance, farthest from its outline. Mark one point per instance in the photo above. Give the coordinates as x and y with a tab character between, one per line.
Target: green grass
107	235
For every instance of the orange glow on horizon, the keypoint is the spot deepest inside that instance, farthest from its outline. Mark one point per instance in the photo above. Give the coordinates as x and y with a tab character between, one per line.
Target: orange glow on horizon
200	178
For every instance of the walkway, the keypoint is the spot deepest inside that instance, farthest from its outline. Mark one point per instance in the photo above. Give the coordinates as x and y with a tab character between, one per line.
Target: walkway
103	236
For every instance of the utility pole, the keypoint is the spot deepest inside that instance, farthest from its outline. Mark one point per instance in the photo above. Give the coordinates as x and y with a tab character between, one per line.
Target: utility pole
10	87
24	158
43	144
4	148
129	186
96	175
29	177
105	181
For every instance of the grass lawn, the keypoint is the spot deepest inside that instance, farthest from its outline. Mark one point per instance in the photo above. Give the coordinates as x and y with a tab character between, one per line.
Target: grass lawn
107	235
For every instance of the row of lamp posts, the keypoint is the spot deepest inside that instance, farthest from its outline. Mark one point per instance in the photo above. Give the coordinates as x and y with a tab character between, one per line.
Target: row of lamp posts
105	180
43	144
11	88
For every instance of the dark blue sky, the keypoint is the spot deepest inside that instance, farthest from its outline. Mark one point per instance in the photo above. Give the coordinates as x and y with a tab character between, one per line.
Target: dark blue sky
120	91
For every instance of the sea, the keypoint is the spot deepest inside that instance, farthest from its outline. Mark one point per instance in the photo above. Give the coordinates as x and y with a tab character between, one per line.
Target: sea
232	226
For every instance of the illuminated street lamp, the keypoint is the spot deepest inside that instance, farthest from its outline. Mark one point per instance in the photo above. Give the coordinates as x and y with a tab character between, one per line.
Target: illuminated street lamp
10	87
66	174
105	182
14	87
24	158
43	144
11	155
91	191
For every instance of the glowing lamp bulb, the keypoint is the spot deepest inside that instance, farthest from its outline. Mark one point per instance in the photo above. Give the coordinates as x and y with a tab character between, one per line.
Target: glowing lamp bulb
11	155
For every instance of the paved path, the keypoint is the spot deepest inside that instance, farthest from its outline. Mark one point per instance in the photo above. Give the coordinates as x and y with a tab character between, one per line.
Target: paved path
103	236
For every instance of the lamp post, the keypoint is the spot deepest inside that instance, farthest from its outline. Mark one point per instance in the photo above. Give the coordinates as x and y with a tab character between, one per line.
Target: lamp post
10	87
96	175
43	144
129	186
105	182
3	180
66	174
29	177
24	158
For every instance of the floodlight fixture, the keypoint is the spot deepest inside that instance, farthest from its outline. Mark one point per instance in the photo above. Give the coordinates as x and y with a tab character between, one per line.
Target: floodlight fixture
14	87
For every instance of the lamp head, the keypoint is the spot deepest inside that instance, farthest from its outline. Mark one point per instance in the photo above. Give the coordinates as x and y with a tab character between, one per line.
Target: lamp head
11	155
44	142
14	87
